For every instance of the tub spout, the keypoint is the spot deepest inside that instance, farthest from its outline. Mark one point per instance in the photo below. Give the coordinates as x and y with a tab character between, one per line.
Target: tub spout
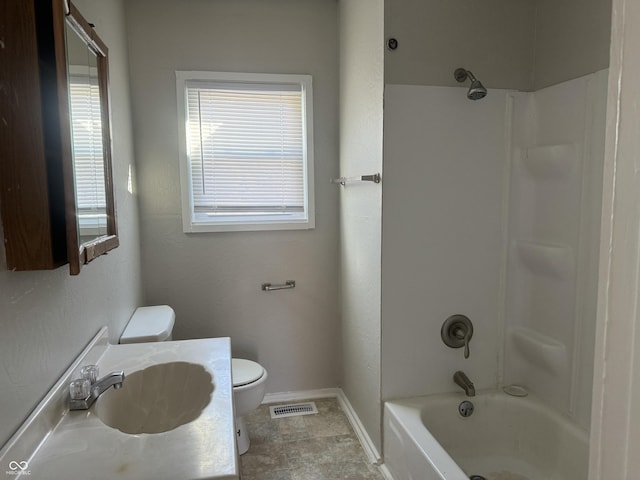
463	381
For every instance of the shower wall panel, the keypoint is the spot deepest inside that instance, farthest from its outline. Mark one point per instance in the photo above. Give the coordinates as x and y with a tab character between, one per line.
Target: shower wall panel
553	238
442	235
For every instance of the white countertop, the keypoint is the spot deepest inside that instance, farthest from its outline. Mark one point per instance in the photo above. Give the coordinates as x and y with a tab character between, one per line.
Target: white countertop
80	446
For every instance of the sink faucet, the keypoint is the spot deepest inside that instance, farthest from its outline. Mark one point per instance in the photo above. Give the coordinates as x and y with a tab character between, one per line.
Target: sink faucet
467	385
101	385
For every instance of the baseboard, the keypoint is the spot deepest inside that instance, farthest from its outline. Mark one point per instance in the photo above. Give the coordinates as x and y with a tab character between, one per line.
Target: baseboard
300	395
365	440
367	444
385	472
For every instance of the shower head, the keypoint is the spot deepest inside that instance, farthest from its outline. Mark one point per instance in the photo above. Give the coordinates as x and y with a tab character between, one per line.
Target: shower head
476	90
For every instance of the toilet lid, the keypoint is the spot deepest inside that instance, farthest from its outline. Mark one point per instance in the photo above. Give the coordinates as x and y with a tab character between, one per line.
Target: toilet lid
149	324
245	371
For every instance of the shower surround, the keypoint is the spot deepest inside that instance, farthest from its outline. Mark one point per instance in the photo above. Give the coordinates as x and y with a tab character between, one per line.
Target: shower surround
492	210
442	236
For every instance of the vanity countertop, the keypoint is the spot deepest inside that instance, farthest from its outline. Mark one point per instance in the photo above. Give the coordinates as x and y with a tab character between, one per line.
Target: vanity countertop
79	445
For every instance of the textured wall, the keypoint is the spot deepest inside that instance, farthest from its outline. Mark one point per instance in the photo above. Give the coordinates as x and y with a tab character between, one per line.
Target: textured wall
47	317
517	44
361	93
572	39
492	38
213	280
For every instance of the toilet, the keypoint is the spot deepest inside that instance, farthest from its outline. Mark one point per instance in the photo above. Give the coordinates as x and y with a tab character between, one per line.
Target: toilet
249	382
150	324
155	324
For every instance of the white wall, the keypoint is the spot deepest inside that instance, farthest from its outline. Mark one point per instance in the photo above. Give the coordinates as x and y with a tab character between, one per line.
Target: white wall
47	317
361	94
615	433
213	280
572	39
442	235
554	225
523	44
492	38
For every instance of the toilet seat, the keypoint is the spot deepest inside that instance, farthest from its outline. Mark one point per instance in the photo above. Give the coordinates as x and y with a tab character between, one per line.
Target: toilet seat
245	372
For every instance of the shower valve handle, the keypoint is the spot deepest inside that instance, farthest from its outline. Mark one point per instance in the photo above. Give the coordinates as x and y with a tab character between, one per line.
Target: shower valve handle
464	335
456	332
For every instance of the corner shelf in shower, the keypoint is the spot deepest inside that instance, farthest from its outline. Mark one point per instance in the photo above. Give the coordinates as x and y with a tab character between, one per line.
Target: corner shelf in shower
554	261
550	161
545	352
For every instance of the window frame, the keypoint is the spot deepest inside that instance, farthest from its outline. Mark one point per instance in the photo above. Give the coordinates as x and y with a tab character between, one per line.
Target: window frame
195	223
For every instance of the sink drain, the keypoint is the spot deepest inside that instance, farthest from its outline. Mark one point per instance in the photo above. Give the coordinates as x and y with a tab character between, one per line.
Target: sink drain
477	477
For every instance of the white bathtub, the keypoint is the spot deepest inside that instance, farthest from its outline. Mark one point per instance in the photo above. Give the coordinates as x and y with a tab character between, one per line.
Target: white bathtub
506	438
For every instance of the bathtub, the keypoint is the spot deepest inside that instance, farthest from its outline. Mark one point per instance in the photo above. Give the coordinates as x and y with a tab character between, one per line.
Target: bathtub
506	438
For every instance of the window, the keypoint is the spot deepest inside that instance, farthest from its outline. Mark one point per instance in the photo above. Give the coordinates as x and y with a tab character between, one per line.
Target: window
246	151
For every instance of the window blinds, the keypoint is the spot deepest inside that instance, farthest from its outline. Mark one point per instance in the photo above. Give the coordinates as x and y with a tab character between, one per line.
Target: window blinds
88	158
245	147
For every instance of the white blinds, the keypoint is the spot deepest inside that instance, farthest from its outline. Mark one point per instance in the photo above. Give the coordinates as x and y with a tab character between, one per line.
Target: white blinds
88	158
245	147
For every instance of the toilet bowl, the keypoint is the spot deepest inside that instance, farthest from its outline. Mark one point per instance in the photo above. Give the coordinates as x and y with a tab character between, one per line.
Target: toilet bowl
249	381
155	324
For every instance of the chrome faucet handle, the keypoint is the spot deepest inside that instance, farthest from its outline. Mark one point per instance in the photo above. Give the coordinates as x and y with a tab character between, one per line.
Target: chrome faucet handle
79	389
456	332
90	372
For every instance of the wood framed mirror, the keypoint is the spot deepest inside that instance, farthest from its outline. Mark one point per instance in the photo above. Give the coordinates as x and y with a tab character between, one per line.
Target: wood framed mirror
86	132
56	203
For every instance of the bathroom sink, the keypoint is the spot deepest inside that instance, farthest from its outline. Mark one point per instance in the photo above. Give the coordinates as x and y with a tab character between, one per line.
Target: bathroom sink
157	399
175	408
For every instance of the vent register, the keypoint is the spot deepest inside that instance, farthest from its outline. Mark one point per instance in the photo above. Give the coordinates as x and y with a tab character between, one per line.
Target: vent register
293	410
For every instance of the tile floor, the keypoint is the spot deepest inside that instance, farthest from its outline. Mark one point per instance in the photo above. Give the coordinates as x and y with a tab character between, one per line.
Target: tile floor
309	447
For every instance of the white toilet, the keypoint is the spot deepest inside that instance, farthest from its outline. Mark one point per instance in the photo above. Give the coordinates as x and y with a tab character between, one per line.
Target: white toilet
155	324
150	324
249	382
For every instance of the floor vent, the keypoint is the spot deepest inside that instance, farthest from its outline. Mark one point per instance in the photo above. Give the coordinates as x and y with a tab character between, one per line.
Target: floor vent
293	410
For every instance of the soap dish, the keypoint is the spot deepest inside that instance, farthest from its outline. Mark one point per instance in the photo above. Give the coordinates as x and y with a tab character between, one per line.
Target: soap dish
515	391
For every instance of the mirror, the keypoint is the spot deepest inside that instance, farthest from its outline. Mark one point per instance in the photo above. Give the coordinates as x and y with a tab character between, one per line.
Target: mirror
91	221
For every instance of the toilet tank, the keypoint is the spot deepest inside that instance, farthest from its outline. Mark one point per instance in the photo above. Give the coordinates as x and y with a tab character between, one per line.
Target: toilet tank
150	324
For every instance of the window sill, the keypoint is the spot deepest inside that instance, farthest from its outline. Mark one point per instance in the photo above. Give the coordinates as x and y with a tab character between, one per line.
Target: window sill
246	224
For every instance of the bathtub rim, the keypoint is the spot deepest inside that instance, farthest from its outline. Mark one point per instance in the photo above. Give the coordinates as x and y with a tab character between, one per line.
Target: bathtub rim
408	412
532	400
